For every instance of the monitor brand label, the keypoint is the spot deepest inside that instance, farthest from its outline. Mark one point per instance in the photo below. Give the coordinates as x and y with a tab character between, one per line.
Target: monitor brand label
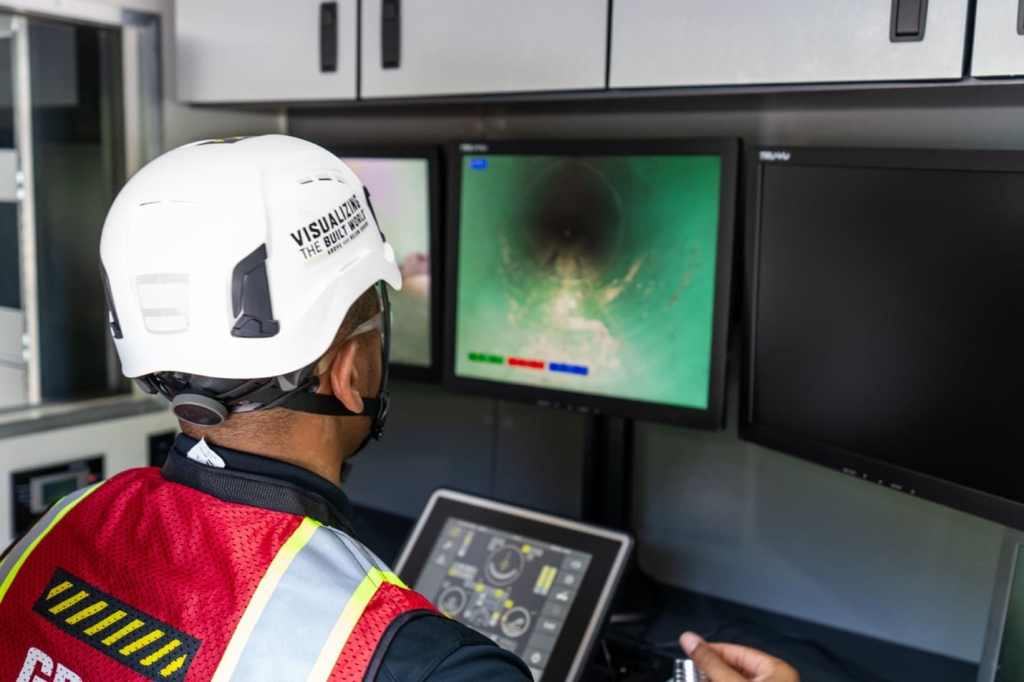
775	155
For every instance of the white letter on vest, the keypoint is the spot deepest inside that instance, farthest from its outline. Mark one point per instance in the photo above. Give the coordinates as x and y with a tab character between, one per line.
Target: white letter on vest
45	664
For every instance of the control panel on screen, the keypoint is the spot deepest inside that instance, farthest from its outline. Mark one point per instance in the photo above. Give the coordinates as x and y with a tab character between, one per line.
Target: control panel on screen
516	590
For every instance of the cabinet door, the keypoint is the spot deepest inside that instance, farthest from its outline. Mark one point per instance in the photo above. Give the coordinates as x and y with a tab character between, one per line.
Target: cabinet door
668	43
265	50
413	48
998	38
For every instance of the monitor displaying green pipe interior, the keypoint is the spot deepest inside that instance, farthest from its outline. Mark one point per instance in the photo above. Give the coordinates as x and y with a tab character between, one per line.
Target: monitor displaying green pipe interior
589	274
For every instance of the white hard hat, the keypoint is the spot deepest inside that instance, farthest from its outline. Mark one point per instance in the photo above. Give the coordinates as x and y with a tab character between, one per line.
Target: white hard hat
238	258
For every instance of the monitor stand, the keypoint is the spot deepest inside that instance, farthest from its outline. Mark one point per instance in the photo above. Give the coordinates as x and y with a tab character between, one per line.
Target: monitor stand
607	500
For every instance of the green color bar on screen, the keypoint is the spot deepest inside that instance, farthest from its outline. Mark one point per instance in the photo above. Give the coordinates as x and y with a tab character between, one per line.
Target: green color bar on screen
483	357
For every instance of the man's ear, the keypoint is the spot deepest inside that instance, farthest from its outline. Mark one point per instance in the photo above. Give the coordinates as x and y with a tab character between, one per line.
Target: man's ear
344	376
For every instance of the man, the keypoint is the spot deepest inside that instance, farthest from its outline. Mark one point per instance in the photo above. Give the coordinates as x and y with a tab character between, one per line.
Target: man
228	265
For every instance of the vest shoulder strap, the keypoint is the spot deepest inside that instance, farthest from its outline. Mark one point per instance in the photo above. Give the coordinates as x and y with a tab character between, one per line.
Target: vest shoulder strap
322	606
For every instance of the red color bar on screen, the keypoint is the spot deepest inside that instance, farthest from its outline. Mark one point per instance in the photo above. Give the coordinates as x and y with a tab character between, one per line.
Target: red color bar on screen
529	364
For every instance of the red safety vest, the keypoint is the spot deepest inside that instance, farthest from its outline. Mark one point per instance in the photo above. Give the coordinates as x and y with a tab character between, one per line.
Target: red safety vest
141	578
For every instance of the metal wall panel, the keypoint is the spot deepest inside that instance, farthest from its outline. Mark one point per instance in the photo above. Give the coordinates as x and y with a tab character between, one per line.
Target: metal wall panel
451	47
998	43
261	51
669	43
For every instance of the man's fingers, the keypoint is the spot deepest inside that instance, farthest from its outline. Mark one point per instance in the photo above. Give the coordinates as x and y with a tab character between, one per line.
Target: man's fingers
708	659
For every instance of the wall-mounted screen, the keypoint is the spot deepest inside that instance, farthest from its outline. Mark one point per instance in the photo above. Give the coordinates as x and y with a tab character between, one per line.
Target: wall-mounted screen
882	331
406	200
594	275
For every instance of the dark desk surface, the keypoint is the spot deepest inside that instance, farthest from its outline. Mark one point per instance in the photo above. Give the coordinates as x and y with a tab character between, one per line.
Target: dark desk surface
820	653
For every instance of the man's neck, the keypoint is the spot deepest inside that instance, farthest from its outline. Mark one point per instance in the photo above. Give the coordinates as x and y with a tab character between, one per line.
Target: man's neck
308	441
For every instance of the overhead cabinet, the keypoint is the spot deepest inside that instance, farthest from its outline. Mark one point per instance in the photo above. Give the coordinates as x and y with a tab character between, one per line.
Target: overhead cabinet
680	43
266	50
998	38
418	48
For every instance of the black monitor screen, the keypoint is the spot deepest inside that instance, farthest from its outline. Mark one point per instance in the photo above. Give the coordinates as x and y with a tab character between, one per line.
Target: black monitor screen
591	277
884	331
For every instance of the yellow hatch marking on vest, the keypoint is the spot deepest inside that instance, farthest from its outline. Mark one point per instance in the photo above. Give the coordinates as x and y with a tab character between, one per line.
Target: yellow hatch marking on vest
145	640
268	583
6	583
126	630
345	624
173	667
105	623
117	630
60	589
87	612
69	602
161	652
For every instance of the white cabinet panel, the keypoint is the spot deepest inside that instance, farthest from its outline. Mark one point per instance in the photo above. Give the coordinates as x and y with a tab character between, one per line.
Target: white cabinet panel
452	47
668	43
262	51
13	387
12	331
998	38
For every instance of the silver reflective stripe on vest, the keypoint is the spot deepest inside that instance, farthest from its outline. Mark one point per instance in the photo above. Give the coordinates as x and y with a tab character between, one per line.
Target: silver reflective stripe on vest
298	619
304	609
14	560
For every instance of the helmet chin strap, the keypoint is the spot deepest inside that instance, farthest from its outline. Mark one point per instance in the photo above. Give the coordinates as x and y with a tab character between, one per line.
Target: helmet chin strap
328	405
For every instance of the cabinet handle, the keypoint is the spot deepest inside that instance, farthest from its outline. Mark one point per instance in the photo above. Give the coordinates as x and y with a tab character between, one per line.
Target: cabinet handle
909	18
390	33
1020	17
328	37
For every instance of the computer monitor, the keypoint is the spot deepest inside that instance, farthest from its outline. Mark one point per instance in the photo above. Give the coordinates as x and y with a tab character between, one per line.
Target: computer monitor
593	275
883	320
404	187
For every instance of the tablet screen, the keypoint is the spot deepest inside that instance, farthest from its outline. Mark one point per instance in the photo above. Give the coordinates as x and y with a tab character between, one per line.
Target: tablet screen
536	584
514	589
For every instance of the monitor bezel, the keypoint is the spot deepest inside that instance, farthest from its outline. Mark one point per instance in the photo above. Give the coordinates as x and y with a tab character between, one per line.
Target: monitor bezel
436	196
712	418
865	467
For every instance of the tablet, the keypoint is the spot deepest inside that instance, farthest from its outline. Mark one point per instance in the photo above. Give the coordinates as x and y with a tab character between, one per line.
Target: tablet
538	585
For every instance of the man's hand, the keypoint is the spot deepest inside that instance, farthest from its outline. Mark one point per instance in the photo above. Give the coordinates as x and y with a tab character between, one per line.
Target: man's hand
732	663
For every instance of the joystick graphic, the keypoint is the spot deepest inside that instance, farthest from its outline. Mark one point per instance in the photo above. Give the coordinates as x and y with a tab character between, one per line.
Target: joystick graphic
515	622
505	565
452	601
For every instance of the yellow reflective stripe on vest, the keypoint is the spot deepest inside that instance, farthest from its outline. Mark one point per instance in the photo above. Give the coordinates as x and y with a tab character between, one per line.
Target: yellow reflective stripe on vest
346	623
13	562
267	586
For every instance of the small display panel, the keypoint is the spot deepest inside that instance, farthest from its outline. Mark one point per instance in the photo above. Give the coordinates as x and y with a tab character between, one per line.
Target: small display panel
514	589
593	274
400	190
1011	656
35	490
537	585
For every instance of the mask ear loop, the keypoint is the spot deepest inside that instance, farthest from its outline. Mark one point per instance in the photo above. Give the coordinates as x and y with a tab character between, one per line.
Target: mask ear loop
383	396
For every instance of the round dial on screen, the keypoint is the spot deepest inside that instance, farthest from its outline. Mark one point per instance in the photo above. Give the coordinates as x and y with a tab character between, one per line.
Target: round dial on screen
505	566
515	622
452	601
